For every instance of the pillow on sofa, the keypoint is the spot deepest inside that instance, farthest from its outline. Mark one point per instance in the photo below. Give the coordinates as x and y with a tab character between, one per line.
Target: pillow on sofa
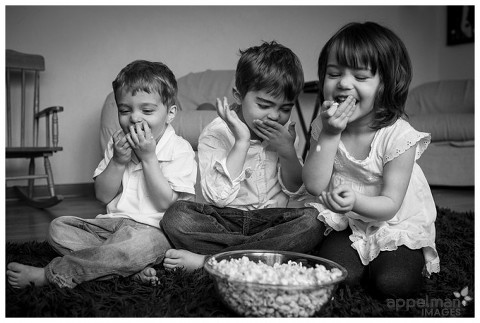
446	96
196	89
445	126
189	124
108	120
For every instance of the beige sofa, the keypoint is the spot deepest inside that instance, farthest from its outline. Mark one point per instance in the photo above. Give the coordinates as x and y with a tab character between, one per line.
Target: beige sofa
445	109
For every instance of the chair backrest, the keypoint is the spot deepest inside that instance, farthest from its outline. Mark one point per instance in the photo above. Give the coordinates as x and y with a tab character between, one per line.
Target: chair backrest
22	85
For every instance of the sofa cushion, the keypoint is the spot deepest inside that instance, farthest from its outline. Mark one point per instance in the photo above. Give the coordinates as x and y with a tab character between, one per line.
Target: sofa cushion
447	164
445	126
447	96
195	89
189	124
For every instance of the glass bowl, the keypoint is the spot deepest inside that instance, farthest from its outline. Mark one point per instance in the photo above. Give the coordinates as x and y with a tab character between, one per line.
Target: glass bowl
280	299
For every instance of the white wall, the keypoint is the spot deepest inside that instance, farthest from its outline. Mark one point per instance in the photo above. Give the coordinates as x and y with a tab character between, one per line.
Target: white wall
85	47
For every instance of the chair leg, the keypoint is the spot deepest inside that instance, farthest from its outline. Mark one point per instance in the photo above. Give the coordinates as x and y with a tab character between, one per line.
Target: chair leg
31	182
48	171
28	198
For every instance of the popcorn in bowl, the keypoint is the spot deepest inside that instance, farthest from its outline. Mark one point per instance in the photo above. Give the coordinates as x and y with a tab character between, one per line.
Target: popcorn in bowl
274	283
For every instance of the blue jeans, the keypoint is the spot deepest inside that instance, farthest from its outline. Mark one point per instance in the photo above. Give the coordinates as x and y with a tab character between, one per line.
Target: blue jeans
101	248
206	229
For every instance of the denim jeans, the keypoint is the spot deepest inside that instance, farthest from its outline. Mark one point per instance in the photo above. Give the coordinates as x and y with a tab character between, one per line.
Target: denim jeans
101	248
206	229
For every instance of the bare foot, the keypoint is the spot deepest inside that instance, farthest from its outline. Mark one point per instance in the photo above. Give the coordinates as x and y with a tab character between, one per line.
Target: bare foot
20	276
179	258
147	276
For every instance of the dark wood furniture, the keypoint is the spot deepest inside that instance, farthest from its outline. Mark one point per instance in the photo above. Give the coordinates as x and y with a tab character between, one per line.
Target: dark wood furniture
23	125
310	87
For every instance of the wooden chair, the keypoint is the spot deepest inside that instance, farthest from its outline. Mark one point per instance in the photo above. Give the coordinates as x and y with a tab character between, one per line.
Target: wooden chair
22	81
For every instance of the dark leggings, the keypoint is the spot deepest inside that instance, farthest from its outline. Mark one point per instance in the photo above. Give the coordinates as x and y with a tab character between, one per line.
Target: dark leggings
392	274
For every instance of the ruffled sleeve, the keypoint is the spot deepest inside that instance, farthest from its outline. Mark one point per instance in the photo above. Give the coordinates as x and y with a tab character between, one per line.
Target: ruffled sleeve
400	137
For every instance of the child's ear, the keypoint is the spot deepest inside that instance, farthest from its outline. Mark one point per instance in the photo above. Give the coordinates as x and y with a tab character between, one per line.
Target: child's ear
236	96
171	113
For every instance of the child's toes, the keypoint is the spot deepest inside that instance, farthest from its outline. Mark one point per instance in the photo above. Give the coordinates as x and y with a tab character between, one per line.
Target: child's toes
172	253
154	281
150	272
146	276
169	266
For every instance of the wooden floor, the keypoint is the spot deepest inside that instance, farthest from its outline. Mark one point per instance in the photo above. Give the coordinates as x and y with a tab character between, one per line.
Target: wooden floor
24	223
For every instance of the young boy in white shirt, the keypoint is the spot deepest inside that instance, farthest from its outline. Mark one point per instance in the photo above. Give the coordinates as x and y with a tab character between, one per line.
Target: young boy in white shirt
250	172
145	169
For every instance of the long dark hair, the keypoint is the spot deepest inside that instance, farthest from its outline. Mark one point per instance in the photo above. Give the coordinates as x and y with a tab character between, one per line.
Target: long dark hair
357	45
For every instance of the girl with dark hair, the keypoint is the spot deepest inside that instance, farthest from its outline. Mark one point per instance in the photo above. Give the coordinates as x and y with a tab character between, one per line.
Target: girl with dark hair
373	196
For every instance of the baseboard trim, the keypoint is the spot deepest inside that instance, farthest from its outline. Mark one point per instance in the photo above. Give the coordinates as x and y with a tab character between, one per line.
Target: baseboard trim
67	190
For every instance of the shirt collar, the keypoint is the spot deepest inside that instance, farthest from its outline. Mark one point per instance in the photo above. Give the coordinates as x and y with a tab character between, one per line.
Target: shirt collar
164	149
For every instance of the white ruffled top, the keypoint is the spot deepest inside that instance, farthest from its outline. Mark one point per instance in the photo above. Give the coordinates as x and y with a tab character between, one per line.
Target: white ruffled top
414	224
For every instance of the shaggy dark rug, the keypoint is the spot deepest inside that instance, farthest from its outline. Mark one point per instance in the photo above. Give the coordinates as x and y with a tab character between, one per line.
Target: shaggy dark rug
181	294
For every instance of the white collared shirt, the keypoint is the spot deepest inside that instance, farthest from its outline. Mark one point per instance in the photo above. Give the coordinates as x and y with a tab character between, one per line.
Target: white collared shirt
258	186
177	162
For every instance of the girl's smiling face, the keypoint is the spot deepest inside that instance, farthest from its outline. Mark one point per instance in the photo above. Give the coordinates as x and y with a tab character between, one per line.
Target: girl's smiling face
342	81
143	106
259	105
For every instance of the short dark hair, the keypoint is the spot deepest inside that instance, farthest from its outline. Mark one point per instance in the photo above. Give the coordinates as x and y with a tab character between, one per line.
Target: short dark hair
146	76
271	67
358	45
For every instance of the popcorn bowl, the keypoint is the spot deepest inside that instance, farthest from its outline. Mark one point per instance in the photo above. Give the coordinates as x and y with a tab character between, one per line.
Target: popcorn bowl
267	283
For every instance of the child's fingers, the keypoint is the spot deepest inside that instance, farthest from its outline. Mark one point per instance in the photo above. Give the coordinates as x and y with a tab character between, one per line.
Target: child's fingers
351	109
231	117
320	198
147	131
119	138
334	205
344	107
329	109
325	200
273	124
220	109
337	199
226	113
273	128
139	130
262	133
129	139
117	134
133	135
146	127
261	125
124	143
225	103
291	130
